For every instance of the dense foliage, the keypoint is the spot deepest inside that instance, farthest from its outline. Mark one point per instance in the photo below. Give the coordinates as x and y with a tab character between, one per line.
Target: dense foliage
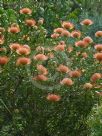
95	121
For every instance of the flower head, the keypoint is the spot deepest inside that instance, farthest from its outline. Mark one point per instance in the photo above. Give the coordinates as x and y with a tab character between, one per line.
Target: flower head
65	33
50	55
75	73
2	29
98	34
62	42
63	69
59	47
53	97
42	69
23	51
88	40
87	22
98	47
23	61
95	77
14	29
54	35
25	11
70	49
80	44
40	57
67	81
76	34
40	48
1	39
99	93
58	30
98	56
2	49
30	22
3	60
84	55
15	46
67	25
40	77
87	86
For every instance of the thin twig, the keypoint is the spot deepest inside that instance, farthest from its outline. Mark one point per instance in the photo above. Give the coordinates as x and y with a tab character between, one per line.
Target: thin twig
5	106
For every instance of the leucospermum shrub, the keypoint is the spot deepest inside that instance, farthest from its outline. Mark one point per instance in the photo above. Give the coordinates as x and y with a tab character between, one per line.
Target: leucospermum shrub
48	86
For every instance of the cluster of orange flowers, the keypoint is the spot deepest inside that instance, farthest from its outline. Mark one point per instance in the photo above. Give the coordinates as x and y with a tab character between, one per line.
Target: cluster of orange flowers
67	30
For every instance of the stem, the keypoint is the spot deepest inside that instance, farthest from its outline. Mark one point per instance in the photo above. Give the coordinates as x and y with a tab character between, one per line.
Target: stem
18	83
5	106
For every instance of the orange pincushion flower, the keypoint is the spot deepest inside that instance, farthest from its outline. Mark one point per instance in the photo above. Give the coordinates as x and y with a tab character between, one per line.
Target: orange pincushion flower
1	38
42	69
88	86
59	47
50	55
70	49
40	48
76	34
23	61
2	49
98	47
67	25
14	29
30	22
85	55
23	51
48	49
25	11
1	41
98	56
58	30
98	86
26	37
26	46
75	73
87	22
62	42
78	53
40	57
65	33
53	97
3	60
96	76
99	93
54	35
98	34
63	69
80	44
15	46
67	81
2	29
40	78
88	40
